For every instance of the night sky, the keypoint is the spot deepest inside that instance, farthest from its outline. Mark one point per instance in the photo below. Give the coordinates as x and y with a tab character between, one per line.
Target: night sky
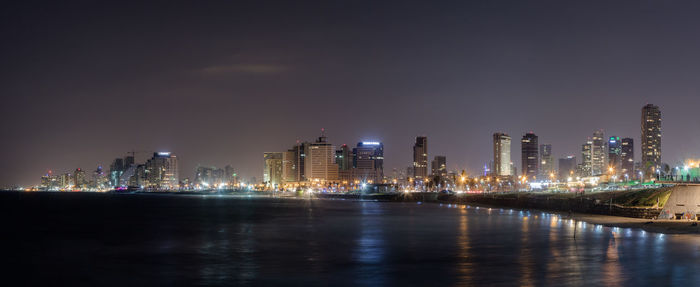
224	81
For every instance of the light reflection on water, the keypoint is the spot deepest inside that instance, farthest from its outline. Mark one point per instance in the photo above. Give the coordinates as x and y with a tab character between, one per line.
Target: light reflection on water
234	241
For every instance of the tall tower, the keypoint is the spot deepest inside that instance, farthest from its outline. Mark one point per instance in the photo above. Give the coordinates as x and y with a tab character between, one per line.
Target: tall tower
162	171
319	160
651	140
586	158
615	154
627	157
530	158
439	166
420	158
273	168
501	155
598	156
546	161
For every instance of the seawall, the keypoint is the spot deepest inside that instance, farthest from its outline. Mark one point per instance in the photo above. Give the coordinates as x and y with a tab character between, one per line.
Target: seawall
553	203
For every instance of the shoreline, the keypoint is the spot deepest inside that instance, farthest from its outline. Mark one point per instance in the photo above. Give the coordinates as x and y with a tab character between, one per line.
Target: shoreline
649	225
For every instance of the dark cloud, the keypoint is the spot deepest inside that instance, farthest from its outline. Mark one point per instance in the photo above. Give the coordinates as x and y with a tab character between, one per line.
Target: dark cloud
243	68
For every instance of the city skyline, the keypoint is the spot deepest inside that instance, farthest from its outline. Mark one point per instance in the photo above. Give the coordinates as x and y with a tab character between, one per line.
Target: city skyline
597	142
456	72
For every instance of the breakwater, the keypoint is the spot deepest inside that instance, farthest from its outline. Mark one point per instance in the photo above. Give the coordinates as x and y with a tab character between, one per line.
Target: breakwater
579	204
553	202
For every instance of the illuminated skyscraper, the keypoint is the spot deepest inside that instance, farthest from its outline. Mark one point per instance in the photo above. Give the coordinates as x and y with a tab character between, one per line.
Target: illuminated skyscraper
297	156
272	168
161	171
615	154
289	165
530	158
586	159
344	158
115	171
627	157
598	154
546	161
439	166
420	158
651	140
229	175
368	161
319	161
501	154
79	178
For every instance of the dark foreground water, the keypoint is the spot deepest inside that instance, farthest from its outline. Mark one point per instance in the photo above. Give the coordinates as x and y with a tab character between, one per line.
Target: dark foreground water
124	240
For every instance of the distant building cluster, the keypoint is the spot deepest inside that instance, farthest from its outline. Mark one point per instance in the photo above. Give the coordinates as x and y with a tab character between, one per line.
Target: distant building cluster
601	158
160	172
212	177
320	163
322	166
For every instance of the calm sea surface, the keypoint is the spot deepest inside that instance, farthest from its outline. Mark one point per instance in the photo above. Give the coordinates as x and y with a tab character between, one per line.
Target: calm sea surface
122	240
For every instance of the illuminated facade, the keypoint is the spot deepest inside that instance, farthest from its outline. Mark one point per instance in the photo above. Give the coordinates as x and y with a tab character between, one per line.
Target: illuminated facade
420	158
651	140
289	166
586	159
344	158
615	154
501	155
627	156
116	169
273	168
546	161
368	162
598	154
79	178
161	171
320	162
438	166
529	147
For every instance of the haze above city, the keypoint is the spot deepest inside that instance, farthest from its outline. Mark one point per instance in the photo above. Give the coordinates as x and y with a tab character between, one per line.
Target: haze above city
221	83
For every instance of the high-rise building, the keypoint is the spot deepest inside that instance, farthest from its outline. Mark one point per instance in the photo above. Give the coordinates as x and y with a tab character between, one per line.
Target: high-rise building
139	177
598	154
162	171
368	161
344	158
99	179
204	177
438	166
501	155
586	158
651	140
129	161
289	166
66	180
615	154
420	158
319	161
299	163
567	167
230	175
627	157
272	168
530	159
79	178
116	169
546	161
